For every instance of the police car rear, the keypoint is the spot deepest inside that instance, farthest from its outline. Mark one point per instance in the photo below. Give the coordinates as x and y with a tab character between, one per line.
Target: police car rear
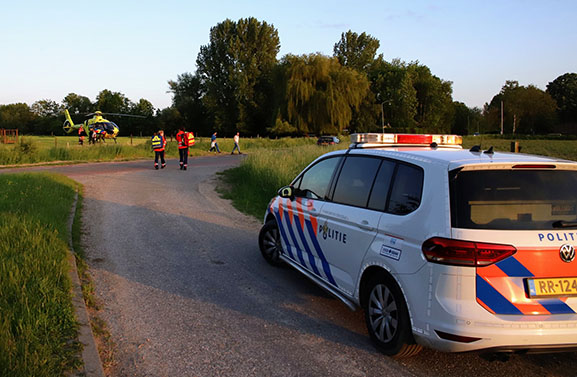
510	280
456	250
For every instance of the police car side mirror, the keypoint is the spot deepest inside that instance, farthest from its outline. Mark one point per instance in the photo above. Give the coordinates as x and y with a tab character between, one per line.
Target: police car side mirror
286	192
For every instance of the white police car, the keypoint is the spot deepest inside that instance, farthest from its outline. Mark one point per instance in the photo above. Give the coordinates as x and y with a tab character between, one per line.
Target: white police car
453	249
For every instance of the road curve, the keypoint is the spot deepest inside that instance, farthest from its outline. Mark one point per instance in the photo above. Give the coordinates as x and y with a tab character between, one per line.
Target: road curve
185	291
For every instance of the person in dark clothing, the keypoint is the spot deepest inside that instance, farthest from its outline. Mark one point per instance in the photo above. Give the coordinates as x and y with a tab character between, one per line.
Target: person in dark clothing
213	143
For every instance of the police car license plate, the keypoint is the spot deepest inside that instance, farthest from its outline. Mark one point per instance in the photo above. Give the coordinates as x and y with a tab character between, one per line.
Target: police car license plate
553	287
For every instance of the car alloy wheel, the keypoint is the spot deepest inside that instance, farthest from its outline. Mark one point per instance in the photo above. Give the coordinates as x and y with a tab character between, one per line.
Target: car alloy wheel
269	242
383	313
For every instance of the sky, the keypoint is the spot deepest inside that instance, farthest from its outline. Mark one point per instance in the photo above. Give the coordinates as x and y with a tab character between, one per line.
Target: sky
49	49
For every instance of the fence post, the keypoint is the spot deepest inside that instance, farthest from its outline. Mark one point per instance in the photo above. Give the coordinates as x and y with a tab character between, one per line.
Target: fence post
515	146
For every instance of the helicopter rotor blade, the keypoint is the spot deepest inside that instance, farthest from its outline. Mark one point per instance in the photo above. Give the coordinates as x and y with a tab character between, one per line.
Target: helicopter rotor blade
125	115
117	114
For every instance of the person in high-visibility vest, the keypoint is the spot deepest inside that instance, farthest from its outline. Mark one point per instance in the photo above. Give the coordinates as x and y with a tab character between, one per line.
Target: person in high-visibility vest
190	136
182	140
158	145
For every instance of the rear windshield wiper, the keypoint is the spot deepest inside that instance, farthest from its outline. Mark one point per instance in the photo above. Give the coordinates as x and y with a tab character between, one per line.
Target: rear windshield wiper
564	224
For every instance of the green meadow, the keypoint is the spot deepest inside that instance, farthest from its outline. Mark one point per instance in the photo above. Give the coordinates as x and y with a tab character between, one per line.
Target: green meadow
566	149
65	149
37	324
42	149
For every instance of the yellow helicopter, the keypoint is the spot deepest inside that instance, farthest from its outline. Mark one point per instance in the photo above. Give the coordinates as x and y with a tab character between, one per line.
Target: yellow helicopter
96	127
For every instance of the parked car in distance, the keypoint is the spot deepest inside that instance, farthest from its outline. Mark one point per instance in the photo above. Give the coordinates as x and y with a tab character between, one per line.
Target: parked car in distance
328	140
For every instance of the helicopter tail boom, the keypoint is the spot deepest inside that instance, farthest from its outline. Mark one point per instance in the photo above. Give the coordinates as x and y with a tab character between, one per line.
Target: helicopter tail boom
69	125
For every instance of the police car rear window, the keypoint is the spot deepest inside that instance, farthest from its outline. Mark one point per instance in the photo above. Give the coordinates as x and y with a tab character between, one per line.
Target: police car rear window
513	199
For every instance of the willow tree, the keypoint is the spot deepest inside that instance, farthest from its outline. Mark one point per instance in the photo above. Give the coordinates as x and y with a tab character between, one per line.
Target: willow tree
321	93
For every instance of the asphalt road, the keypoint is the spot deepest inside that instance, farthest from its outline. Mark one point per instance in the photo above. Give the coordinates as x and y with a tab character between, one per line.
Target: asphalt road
185	291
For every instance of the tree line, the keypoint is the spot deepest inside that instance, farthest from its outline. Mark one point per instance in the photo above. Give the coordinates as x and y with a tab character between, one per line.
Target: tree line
45	117
240	85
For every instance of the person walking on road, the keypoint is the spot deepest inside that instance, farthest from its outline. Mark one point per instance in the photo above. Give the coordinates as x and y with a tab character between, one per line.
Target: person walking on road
236	147
158	145
182	140
213	143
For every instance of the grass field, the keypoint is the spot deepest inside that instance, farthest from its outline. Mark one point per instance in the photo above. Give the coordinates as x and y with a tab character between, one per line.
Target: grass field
37	323
251	185
566	149
256	181
38	149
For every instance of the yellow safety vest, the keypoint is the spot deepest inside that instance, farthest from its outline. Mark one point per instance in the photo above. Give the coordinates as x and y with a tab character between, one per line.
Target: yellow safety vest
190	136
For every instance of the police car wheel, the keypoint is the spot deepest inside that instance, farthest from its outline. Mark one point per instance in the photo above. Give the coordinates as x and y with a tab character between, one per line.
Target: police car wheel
387	318
269	243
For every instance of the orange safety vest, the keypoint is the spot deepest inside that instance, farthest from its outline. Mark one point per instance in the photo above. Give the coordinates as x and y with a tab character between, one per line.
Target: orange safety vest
190	136
182	140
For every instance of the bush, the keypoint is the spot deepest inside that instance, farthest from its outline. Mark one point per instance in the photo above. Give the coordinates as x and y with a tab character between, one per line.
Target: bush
27	147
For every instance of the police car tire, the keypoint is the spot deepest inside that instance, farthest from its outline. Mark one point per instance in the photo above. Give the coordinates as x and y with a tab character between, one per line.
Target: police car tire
269	243
382	291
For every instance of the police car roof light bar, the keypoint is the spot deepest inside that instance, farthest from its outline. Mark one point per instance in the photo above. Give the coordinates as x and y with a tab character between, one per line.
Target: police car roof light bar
378	139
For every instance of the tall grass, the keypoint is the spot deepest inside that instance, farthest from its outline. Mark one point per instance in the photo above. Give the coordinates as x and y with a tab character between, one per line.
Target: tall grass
251	185
36	149
37	323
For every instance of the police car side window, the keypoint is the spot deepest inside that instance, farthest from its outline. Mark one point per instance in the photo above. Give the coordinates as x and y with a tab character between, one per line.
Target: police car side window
407	190
314	183
355	180
380	191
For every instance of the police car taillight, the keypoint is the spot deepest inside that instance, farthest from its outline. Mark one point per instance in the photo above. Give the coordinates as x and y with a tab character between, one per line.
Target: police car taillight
465	253
406	139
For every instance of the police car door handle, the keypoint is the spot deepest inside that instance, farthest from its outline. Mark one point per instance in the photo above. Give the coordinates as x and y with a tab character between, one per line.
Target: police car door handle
365	225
